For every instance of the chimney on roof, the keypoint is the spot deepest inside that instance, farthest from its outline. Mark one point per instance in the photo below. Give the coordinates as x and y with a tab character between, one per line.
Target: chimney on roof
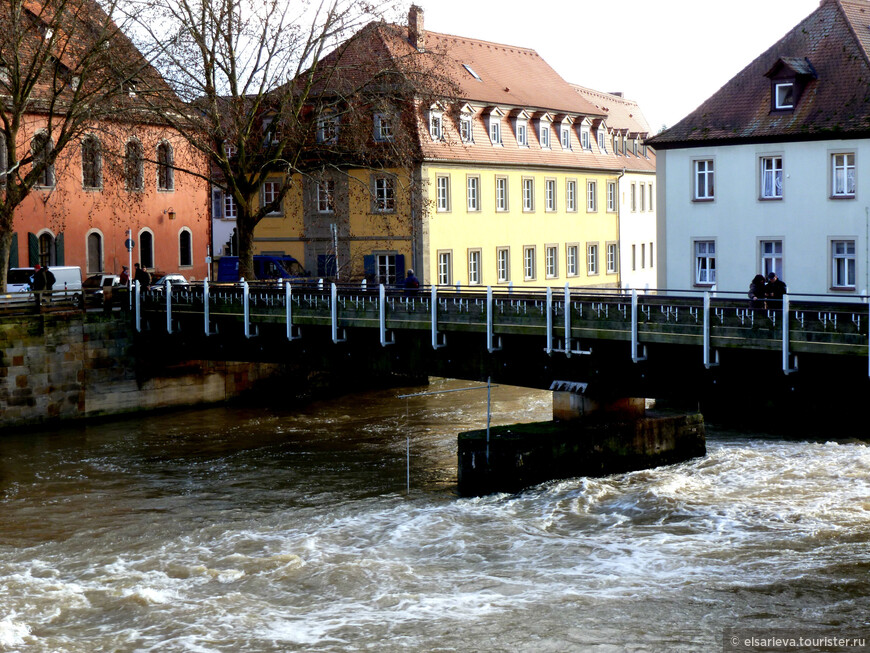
416	31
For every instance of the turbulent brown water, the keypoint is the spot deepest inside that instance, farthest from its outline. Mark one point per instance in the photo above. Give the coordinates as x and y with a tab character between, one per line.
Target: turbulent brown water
290	530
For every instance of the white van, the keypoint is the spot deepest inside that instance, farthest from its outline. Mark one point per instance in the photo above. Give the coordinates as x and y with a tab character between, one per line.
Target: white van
67	281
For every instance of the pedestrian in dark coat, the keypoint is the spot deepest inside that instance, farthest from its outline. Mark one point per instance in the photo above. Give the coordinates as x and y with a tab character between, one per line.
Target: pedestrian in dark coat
142	276
757	292
774	290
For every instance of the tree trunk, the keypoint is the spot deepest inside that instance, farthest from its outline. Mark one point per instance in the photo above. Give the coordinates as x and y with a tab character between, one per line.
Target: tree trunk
245	230
6	233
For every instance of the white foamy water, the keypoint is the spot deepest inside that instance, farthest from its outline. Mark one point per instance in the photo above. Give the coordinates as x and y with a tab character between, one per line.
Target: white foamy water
254	530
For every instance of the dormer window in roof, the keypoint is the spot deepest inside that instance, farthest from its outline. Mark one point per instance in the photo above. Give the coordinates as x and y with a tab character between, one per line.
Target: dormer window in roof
601	136
545	123
520	119
788	78
493	124
436	125
565	132
466	124
584	133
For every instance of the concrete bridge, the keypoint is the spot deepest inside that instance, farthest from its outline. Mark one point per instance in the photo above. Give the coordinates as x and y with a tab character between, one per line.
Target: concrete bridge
641	344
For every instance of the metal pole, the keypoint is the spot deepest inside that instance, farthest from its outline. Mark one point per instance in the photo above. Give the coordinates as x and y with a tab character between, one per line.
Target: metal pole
130	268
488	413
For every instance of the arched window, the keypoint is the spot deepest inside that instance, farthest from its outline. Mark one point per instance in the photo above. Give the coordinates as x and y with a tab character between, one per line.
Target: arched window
134	164
95	252
92	163
46	249
41	146
185	248
146	249
165	178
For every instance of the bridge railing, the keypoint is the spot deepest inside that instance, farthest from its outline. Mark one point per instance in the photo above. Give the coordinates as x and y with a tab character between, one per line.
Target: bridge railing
564	318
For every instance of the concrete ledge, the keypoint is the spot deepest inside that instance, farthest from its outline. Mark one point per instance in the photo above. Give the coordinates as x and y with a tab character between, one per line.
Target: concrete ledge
522	455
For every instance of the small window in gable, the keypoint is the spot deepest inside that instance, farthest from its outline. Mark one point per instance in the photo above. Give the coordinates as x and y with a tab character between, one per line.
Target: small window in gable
383	128
466	124
544	133
784	95
436	126
494	125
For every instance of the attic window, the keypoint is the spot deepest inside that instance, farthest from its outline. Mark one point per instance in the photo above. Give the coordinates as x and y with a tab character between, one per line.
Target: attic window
471	72
784	95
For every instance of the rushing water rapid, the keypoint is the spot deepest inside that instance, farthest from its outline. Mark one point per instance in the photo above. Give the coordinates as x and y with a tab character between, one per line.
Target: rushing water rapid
234	529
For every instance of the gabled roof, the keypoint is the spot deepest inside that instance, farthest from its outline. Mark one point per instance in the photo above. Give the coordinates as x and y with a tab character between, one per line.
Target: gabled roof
829	49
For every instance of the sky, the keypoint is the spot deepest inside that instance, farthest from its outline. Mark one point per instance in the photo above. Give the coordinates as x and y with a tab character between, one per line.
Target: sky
668	55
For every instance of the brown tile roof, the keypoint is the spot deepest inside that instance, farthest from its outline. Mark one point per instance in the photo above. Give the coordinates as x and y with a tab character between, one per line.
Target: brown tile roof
620	113
835	40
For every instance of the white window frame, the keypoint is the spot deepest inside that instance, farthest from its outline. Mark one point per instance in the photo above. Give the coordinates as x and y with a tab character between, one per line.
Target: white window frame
528	194
466	128
530	264
633	196
501	194
442	193
602	141
544	134
844	263
445	267
612	257
771	177
842	166
565	137
268	192
585	140
551	261
572	254
642	195
522	133
771	252
472	186
704	180
503	264
383	194
704	261
383	128
494	129
436	124
387	272
327	129
591	196
650	189
326	196
550	195
571	195
592	259
611	196
474	267
784	95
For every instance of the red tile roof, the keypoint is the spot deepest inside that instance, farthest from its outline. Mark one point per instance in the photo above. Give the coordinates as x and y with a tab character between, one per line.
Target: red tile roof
835	40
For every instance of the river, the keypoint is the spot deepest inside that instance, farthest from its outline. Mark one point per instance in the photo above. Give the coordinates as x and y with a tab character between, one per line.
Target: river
290	529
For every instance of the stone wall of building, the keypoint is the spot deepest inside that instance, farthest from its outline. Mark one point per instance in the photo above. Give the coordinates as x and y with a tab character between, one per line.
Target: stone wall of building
60	366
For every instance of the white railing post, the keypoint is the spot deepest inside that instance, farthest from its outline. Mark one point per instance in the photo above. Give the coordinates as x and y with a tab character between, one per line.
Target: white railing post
549	347
136	302
786	356
709	360
567	321
334	312
382	317
636	357
246	303
434	319
490	338
168	307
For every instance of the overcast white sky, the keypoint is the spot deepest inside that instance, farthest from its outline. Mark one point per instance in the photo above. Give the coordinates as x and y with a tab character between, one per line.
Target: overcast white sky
669	55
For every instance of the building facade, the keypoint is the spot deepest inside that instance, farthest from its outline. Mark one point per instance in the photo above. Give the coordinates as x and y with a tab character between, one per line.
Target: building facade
765	176
519	180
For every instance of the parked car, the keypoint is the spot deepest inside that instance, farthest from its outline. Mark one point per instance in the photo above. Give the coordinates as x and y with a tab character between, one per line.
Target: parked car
67	282
95	285
174	279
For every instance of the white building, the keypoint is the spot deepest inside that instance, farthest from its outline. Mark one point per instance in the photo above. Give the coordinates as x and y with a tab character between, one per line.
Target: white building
772	173
626	133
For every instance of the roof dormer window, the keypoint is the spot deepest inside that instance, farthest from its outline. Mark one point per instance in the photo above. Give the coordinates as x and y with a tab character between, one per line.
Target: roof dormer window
466	124
521	127
784	95
436	126
789	77
493	118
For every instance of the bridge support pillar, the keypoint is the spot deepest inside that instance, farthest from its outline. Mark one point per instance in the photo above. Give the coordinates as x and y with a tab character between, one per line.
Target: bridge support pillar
569	406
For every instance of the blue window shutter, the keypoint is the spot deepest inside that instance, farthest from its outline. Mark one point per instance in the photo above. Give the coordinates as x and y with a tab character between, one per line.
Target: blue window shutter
369	267
32	249
58	250
13	252
400	267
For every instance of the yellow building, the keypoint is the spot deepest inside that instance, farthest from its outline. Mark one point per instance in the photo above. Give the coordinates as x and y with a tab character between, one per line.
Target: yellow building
517	182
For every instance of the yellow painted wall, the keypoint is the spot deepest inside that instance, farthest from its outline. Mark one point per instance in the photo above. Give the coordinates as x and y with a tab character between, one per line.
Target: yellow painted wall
459	230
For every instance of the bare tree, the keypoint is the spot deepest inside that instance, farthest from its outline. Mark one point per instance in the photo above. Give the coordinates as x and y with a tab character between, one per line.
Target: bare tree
66	68
284	90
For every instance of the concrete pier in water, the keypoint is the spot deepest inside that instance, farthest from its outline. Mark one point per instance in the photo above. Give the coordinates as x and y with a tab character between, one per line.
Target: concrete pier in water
587	438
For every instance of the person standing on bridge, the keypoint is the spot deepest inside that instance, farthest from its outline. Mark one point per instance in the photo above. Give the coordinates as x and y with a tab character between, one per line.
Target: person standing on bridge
757	292
774	290
412	283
